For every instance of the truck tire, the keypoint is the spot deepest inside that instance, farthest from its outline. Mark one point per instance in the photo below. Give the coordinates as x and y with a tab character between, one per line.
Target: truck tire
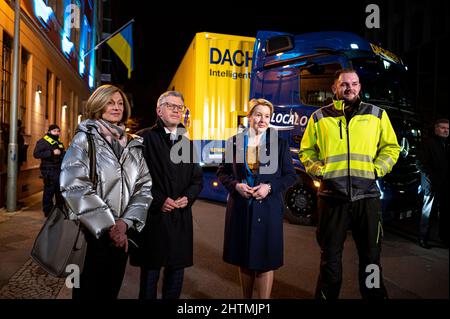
300	205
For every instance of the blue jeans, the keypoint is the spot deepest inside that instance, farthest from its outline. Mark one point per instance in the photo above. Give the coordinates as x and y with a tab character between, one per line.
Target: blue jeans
172	283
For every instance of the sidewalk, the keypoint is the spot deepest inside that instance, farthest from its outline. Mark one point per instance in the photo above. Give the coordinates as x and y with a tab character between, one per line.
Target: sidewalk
410	272
19	276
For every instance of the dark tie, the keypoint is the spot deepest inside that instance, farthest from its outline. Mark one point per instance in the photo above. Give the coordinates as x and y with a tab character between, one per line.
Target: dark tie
171	138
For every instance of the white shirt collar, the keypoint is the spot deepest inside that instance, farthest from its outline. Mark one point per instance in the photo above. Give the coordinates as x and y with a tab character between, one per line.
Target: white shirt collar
174	132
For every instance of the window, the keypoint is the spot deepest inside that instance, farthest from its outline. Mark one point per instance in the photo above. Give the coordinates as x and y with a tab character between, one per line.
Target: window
315	84
6	77
47	94
280	86
23	86
57	101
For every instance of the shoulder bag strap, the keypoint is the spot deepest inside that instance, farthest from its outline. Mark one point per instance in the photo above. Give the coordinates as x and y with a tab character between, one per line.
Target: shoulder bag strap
92	160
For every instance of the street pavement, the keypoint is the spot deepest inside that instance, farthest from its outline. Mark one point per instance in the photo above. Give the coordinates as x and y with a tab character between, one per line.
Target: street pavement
410	272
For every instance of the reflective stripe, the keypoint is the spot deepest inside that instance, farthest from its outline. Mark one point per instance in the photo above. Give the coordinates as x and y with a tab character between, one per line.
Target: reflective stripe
370	109
53	142
364	166
384	167
353	157
50	140
353	172
386	159
336	158
319	115
361	157
376	111
379	231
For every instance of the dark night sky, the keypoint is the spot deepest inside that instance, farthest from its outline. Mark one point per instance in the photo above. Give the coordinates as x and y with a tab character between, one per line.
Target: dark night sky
162	36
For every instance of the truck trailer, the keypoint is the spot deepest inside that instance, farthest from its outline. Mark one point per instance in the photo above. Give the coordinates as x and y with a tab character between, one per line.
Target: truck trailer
214	77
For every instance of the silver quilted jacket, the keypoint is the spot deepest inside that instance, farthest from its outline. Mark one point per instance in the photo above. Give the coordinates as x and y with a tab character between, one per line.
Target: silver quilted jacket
124	185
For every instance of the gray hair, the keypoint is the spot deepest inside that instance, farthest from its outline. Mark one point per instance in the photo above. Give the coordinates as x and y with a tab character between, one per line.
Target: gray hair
163	96
440	121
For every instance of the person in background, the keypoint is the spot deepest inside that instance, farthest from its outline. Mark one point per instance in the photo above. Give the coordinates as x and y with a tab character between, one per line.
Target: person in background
253	238
50	150
348	145
119	202
167	240
432	163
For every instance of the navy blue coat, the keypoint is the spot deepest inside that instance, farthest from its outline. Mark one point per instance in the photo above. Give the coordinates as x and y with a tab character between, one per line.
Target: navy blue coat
254	232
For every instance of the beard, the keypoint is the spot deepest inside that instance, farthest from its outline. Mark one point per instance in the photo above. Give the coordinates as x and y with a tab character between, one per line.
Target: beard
348	101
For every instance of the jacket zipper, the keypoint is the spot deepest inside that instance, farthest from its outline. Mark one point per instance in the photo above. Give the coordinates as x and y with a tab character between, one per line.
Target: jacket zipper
119	159
340	128
348	167
349	188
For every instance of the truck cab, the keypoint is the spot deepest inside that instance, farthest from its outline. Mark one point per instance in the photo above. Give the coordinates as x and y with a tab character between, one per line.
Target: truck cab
295	73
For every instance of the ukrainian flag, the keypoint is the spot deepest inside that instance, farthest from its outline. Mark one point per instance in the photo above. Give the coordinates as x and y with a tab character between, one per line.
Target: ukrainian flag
122	45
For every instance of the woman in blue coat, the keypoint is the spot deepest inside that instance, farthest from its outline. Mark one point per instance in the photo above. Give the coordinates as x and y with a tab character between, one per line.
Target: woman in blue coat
257	170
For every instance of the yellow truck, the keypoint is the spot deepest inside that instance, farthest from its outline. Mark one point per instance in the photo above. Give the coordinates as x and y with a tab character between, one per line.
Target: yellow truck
214	77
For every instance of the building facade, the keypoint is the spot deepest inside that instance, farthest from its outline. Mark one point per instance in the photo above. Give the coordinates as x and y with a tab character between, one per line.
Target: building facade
57	74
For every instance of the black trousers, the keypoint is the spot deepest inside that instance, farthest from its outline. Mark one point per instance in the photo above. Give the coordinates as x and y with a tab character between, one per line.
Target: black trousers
51	190
103	272
363	217
435	208
172	283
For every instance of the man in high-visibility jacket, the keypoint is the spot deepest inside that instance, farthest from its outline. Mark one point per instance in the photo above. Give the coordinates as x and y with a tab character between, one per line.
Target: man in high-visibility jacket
348	144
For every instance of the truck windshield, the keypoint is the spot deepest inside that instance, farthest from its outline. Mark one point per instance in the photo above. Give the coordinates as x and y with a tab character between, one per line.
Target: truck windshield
383	81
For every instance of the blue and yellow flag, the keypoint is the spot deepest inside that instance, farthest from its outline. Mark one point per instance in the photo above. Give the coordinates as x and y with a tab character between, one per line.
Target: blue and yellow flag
122	45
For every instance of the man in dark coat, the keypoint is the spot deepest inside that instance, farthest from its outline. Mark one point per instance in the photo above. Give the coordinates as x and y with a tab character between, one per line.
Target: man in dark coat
167	239
432	163
50	150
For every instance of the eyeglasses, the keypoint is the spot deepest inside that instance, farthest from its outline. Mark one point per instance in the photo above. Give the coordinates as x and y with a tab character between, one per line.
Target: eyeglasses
174	107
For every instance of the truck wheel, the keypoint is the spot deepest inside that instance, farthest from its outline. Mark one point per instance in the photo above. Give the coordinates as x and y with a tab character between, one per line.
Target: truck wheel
300	204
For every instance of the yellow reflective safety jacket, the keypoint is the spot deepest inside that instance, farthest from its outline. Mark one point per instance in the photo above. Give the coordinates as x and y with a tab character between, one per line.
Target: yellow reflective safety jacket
349	156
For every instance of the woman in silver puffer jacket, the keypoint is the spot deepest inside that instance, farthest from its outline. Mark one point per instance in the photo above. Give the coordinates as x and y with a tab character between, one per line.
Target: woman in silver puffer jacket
121	199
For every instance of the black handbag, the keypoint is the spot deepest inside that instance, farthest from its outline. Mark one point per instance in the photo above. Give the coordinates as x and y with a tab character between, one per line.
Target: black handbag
61	241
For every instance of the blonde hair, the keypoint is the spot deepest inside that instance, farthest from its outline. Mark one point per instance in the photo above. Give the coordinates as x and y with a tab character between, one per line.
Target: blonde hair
99	99
255	102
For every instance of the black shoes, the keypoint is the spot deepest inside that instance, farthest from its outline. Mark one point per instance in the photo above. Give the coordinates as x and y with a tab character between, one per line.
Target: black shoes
424	244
